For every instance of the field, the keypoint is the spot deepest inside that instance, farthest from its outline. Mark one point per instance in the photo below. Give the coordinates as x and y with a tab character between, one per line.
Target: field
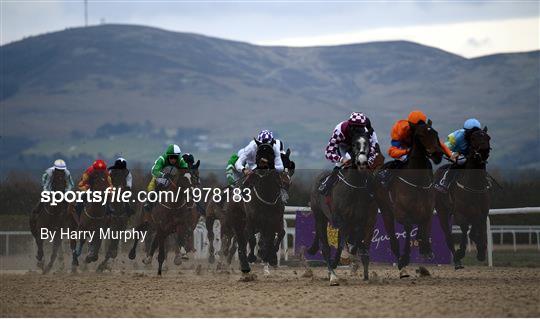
198	289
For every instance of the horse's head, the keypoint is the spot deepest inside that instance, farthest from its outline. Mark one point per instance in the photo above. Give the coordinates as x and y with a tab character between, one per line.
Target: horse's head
118	177
479	146
360	147
193	168
428	138
177	178
58	182
98	180
265	155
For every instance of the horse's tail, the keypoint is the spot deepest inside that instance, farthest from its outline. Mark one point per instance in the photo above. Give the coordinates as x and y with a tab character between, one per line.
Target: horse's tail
314	248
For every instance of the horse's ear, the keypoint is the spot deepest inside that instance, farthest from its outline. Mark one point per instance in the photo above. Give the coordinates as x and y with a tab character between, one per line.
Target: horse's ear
196	165
485	129
429	122
257	142
288	152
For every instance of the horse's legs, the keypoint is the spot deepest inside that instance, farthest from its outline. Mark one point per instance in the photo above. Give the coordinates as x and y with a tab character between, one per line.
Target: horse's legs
460	253
405	258
160	238
74	255
388	220
231	247
39	256
480	239
209	222
444	221
423	239
242	253
155	243
56	245
341	240
318	216
277	244
93	255
325	249
252	240
133	252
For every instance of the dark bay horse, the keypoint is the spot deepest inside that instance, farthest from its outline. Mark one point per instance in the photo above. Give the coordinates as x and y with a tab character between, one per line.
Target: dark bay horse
93	218
352	210
51	217
467	200
259	212
166	214
410	199
118	217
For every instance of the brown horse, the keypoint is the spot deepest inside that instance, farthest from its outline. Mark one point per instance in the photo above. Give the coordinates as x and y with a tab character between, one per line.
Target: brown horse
93	218
352	210
410	199
166	215
118	217
467	199
52	218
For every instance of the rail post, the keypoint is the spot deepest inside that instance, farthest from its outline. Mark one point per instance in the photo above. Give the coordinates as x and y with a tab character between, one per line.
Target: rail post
489	242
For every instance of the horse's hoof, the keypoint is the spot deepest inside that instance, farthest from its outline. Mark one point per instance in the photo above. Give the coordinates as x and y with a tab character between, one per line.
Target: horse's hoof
185	256
334	280
246	277
251	258
423	272
147	260
47	269
266	270
428	256
90	258
403	274
177	260
132	254
40	264
75	262
458	266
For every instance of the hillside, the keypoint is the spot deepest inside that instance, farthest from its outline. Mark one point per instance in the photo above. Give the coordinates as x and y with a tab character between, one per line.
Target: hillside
130	89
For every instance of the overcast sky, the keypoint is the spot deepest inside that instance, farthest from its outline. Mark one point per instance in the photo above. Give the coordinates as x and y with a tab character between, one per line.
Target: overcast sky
463	27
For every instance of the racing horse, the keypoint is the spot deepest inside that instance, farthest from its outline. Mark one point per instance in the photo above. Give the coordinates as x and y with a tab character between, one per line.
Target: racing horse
467	199
217	210
186	226
118	216
352	209
166	215
410	198
260	210
93	218
51	217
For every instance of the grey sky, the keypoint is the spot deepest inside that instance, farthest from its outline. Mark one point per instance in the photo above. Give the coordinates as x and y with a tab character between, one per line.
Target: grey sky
463	27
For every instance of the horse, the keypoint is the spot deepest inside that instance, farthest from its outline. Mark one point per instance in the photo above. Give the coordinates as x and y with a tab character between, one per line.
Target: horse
51	217
165	216
93	218
118	216
186	225
467	200
352	210
410	199
260	210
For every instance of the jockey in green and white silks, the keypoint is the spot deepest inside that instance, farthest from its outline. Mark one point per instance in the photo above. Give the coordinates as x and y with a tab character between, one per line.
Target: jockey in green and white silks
46	178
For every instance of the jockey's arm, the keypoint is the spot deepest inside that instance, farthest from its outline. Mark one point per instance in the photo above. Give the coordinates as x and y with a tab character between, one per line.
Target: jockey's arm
129	180
83	183
332	149
45	180
69	181
278	163
397	150
243	156
158	166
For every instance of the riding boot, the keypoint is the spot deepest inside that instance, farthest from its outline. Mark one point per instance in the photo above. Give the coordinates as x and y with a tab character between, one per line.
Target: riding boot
200	208
326	186
284	195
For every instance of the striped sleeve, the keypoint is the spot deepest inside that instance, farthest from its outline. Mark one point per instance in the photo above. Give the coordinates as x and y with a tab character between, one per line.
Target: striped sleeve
332	149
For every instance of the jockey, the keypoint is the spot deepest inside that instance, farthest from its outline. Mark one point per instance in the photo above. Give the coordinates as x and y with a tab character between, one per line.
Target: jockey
171	157
84	183
121	165
458	143
401	145
339	146
246	156
46	180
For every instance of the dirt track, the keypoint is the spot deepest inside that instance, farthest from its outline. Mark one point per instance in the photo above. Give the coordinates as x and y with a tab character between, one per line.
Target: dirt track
474	291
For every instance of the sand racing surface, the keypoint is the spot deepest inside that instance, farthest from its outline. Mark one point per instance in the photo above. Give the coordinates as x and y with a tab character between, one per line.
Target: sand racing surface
191	290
